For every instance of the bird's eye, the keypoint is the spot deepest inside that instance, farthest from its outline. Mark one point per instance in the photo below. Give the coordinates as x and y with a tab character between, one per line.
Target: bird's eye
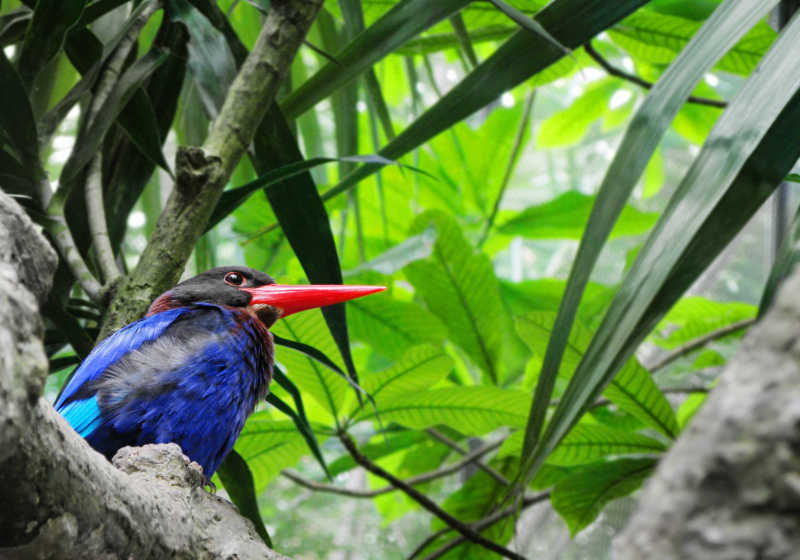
234	278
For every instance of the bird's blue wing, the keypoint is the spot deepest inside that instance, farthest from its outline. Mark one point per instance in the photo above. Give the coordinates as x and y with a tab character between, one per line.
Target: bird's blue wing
84	414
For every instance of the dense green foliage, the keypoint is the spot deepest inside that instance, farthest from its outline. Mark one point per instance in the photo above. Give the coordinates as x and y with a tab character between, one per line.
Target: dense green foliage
539	238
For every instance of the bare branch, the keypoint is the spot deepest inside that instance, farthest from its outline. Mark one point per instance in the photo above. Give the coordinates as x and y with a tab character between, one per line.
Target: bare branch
419	479
424	501
439	436
700	342
634	79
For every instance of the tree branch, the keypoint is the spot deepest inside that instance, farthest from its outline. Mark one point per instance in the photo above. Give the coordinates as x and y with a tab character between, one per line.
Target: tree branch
413	481
700	342
480	525
424	501
62	499
633	78
439	436
203	172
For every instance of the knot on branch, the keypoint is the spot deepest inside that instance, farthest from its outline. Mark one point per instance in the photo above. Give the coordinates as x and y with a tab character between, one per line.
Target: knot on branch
163	461
196	169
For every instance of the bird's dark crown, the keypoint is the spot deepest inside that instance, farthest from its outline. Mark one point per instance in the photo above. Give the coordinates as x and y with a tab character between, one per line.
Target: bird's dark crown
221	285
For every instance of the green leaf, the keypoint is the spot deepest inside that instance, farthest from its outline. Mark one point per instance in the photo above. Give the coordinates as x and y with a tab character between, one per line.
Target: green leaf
470	410
633	389
459	286
658	38
654	175
528	23
385	444
391	326
269	446
16	118
588	442
729	22
568	126
693	317
420	368
403	21
746	156
565	217
413	248
139	120
238	481
580	497
523	55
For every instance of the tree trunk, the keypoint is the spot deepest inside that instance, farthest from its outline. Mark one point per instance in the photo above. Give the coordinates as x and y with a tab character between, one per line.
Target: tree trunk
730	486
60	498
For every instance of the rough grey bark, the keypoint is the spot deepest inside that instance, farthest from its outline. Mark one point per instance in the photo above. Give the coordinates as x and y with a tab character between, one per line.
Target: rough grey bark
730	486
61	499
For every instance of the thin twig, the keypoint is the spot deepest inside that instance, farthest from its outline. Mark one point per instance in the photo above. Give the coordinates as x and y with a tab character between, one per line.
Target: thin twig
439	436
480	525
97	221
700	342
633	78
413	481
510	166
424	500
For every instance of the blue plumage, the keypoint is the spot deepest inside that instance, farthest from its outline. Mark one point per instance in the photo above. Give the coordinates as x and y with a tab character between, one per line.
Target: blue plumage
189	375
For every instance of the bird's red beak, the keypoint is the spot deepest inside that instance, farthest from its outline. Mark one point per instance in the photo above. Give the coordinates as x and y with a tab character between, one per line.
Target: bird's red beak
293	298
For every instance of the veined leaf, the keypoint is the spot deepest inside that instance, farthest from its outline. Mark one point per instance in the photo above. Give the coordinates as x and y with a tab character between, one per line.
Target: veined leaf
384	444
633	390
588	442
569	125
693	317
573	22
728	23
459	286
565	217
580	497
390	261
470	410
420	368
268	446
746	156
392	326
658	38
319	381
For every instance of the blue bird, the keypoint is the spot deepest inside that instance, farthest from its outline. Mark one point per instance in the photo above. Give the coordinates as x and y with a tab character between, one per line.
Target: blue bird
192	370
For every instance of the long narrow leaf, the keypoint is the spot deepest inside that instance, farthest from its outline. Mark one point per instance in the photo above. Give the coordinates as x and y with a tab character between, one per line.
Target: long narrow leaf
573	22
16	117
729	22
238	481
747	154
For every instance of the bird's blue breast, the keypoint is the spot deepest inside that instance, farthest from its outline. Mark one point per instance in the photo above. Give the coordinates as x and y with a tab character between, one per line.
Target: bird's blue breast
189	375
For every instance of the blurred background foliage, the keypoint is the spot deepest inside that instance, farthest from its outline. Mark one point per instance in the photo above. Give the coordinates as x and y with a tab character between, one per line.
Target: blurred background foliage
558	226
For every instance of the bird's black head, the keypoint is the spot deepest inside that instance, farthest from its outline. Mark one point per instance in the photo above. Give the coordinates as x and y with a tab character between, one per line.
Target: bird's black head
239	286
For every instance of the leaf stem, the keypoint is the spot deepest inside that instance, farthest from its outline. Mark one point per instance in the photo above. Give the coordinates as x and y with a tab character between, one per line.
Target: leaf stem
700	342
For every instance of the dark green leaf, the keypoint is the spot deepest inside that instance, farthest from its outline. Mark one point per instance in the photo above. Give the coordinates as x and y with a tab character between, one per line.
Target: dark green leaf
527	23
311	352
16	118
140	121
238	481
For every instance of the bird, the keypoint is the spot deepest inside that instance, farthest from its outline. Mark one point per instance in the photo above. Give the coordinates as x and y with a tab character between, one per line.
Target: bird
193	368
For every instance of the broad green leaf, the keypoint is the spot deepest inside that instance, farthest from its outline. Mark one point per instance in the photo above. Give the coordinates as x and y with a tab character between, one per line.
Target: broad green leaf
573	22
414	247
238	481
689	408
658	38
565	217
405	20
569	125
589	442
470	410
268	446
693	317
633	390
319	381
580	497
383	444
459	286
546	294
746	156
420	368
392	326
728	23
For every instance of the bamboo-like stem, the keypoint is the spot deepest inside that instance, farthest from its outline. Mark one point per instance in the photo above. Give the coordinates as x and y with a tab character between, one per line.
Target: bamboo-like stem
425	501
634	79
203	172
413	481
98	226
